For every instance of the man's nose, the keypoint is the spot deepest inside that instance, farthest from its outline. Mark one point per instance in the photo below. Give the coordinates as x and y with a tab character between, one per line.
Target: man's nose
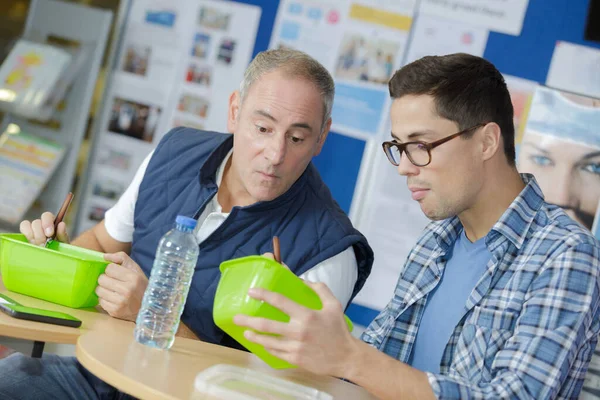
405	167
276	149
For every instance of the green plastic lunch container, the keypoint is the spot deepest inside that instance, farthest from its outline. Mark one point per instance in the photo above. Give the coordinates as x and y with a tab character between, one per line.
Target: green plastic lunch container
62	273
231	298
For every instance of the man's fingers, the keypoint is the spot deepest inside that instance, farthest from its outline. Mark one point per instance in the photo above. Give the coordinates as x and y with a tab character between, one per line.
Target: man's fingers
284	355
278	346
108	295
132	266
117	272
328	299
277	300
25	229
110	308
48	223
270	343
117	258
61	233
41	229
121	258
38	235
112	284
261	324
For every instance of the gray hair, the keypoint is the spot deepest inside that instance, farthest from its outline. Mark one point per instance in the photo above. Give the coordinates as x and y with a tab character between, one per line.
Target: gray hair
296	64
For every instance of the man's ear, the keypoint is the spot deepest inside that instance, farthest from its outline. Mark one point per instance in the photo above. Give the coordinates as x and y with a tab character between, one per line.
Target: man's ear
491	141
233	113
322	138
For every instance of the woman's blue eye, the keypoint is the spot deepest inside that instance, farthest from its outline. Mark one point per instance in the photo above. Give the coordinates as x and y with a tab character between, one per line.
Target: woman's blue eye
542	161
593	168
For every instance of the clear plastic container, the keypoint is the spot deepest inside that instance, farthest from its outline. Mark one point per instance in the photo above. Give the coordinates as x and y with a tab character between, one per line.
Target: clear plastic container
228	382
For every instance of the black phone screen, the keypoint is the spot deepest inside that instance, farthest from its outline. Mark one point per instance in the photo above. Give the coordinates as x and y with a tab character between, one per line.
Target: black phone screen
40	315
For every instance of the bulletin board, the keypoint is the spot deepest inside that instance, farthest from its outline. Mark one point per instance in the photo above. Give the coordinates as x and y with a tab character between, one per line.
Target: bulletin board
526	56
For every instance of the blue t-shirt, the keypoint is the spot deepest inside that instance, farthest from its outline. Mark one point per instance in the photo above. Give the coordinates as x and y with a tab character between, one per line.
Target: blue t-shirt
446	303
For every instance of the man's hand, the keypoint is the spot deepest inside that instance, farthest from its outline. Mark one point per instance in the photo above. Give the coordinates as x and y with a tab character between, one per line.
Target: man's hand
318	341
121	288
41	229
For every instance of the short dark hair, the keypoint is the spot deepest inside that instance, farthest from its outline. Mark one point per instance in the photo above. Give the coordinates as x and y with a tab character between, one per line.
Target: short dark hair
466	89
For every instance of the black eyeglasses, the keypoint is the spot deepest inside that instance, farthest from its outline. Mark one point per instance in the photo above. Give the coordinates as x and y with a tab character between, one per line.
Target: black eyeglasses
419	153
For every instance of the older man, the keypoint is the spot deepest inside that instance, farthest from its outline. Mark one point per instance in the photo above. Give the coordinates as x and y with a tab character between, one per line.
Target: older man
243	188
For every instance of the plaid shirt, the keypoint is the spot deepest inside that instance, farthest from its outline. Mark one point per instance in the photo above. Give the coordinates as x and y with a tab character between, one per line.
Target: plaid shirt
531	323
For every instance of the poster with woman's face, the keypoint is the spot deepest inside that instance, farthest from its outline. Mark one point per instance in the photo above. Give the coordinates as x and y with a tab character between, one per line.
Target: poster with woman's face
561	148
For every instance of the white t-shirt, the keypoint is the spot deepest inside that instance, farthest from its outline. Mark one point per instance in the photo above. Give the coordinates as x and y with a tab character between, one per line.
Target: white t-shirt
339	272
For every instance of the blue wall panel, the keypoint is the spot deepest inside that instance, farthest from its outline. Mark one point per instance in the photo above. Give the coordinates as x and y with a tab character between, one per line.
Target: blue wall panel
339	163
527	56
546	21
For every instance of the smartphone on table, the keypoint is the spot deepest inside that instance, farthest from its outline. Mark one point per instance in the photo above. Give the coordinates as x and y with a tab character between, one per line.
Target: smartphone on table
16	310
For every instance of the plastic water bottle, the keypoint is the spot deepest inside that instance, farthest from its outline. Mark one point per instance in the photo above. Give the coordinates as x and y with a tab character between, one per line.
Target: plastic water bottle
170	279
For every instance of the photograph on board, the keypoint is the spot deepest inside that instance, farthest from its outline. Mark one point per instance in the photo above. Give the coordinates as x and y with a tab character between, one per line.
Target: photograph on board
136	120
226	51
113	158
108	188
193	104
201	46
561	148
136	59
365	59
213	18
199	74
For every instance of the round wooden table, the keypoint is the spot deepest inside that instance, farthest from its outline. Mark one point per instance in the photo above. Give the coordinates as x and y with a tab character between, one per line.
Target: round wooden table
147	373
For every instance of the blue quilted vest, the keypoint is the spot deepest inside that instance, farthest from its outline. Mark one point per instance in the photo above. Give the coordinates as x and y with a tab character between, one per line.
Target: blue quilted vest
180	180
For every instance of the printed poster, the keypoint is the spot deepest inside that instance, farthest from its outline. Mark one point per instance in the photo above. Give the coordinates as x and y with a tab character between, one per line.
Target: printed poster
561	147
505	16
438	36
361	44
575	68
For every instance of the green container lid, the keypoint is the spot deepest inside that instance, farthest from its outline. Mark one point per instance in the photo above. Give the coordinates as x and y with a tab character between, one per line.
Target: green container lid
231	298
62	273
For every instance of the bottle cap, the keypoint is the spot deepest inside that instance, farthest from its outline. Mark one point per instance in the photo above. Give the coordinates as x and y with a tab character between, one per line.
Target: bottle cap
186	221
